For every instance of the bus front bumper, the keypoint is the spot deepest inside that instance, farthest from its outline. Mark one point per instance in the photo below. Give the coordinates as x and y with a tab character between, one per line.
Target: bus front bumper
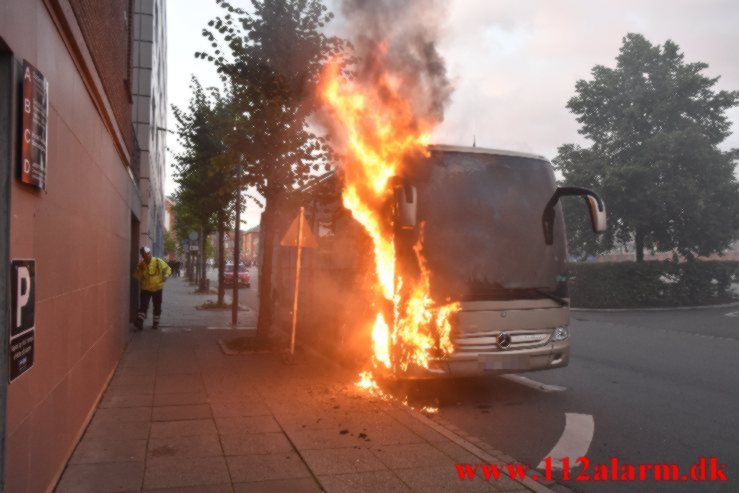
552	355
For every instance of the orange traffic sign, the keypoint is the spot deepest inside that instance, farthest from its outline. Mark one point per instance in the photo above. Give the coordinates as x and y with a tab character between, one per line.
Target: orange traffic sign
291	236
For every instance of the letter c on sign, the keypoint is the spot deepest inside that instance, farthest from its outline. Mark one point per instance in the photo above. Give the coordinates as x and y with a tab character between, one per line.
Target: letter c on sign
24	281
27	135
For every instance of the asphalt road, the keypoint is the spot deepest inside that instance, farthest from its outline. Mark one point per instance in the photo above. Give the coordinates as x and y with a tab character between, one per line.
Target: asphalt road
661	387
247	296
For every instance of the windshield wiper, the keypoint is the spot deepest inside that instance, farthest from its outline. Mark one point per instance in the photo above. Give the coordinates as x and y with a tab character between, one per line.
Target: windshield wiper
558	299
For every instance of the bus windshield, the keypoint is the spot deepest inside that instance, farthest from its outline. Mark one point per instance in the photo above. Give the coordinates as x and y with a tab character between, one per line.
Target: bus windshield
483	234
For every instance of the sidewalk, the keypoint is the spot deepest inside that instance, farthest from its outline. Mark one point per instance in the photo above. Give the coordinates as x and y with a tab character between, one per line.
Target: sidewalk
179	415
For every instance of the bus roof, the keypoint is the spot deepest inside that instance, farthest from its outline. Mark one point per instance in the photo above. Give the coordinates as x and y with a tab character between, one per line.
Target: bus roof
317	180
484	150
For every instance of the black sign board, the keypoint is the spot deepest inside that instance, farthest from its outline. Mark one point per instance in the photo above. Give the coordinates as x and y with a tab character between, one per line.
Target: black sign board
34	127
21	354
23	307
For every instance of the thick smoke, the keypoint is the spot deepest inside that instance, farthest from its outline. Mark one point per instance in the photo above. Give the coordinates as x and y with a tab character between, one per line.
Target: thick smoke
401	36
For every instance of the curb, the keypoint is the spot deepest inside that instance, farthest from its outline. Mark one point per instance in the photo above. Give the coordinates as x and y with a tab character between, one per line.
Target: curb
660	309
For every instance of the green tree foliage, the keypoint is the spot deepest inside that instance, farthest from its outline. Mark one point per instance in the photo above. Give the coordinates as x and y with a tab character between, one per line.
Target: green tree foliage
271	58
205	183
170	245
655	123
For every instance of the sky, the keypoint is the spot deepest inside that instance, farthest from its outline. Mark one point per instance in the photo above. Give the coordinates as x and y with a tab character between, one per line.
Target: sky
513	63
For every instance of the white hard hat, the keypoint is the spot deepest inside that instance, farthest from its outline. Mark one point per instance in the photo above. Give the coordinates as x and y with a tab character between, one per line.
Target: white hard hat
144	250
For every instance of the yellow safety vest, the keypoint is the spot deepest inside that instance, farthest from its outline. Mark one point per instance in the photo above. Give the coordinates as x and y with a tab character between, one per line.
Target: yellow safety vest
153	275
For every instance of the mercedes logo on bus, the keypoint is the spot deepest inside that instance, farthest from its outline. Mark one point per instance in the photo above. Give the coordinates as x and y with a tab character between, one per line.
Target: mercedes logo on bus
504	340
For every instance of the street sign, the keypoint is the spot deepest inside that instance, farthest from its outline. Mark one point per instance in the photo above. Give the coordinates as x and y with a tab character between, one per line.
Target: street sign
193	235
291	236
23	308
34	127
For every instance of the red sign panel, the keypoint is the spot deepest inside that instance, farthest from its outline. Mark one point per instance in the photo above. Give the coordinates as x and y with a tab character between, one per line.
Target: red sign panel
34	127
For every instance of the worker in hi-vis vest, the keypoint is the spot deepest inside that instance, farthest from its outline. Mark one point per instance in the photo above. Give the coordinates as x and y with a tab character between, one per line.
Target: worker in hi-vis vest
152	272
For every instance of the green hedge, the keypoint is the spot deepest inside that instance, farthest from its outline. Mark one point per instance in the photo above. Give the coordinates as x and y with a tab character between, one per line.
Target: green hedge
651	284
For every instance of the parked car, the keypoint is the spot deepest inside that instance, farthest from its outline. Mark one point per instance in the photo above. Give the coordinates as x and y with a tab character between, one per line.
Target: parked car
229	276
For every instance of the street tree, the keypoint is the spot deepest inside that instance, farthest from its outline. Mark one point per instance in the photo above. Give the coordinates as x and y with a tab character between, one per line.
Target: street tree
655	123
202	199
271	57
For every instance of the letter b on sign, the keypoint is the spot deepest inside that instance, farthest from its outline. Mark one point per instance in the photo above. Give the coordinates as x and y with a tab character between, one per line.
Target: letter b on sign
23	296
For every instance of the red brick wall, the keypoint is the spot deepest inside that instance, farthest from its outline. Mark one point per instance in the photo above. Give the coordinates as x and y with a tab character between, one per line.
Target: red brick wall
106	26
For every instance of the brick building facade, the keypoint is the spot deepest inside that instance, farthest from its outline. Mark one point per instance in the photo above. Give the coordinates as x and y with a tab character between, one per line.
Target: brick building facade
81	230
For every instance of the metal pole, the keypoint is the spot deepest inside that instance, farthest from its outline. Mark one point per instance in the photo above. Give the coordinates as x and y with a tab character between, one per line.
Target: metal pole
297	280
237	254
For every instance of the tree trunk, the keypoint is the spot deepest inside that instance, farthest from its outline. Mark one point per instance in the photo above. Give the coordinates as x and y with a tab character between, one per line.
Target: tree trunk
203	281
639	244
221	257
264	322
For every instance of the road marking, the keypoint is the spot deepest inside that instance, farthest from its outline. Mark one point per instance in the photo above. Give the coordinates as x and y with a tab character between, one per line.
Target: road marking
542	387
574	442
731	314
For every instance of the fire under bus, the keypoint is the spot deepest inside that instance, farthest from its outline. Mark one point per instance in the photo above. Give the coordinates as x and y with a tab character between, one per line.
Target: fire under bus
493	241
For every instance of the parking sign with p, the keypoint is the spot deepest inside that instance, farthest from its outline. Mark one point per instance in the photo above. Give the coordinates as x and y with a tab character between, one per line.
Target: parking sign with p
23	307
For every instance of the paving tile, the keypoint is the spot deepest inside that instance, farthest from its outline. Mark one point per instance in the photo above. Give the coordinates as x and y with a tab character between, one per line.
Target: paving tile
130	372
321	439
441	478
255	443
188	446
409	455
341	460
365	482
179	398
101	478
301	485
456	453
179	384
309	421
129	378
247	424
419	428
113	428
239	408
130	388
187	411
162	429
124	413
179	472
232	395
95	450
113	399
203	488
250	468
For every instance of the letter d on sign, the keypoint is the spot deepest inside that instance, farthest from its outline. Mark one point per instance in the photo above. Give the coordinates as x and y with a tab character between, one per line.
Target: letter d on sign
23	294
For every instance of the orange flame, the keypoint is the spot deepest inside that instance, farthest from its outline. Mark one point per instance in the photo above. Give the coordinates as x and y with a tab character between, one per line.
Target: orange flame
382	132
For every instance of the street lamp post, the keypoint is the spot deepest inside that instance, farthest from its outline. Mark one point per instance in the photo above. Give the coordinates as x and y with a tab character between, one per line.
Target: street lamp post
237	252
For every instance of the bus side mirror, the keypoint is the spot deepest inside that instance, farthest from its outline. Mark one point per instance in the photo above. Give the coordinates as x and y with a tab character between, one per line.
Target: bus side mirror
595	204
406	204
597	213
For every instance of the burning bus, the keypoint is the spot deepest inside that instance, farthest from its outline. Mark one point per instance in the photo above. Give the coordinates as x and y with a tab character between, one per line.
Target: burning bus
458	269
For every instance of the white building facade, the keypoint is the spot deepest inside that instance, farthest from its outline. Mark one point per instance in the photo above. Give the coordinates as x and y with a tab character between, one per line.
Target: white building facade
149	93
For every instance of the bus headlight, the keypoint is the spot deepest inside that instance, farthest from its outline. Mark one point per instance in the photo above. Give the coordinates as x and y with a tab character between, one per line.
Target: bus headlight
560	334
